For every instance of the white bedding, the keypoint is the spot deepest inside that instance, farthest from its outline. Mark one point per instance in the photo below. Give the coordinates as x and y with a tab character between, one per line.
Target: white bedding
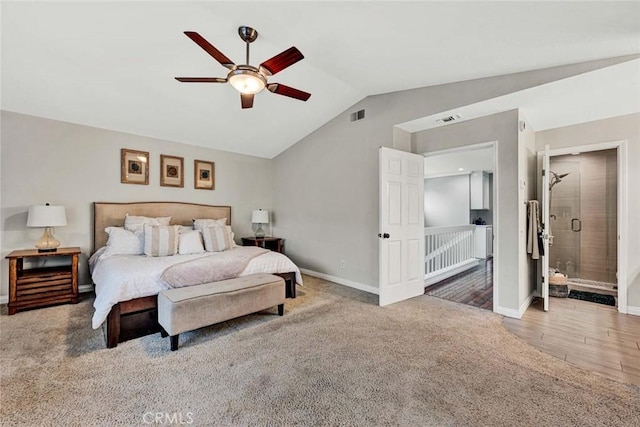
124	277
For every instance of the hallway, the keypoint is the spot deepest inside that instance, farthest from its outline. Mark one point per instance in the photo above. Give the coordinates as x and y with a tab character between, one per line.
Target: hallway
473	287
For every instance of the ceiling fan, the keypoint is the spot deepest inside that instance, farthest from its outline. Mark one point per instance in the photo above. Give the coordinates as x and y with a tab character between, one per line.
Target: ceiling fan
247	79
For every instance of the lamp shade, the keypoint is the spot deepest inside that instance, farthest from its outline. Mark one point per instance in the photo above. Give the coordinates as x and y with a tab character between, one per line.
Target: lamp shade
46	216
260	217
247	81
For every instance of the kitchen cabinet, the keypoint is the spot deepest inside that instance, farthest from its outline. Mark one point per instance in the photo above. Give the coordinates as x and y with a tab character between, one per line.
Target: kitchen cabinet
483	239
479	190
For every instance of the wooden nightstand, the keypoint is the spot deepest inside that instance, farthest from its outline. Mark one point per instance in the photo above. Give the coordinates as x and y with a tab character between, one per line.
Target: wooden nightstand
272	243
39	287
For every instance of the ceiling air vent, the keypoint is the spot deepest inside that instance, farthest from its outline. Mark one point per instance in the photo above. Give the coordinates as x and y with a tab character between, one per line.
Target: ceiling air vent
448	119
357	115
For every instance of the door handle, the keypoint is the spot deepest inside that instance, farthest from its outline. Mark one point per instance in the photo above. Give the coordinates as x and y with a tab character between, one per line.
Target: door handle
575	221
384	236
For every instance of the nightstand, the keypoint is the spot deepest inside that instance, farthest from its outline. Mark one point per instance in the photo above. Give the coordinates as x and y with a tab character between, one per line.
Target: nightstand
272	243
42	286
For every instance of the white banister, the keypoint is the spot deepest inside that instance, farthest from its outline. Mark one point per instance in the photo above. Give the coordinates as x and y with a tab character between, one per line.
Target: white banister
449	251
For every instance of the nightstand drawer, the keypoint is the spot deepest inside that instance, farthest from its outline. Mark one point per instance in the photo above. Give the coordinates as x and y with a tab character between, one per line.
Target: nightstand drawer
36	275
49	290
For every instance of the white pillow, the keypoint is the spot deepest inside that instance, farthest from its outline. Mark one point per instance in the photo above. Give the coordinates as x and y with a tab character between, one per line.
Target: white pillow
184	229
123	242
217	239
160	240
190	242
199	224
137	223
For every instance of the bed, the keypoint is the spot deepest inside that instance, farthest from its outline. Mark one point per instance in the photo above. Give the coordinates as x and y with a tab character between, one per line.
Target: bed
127	286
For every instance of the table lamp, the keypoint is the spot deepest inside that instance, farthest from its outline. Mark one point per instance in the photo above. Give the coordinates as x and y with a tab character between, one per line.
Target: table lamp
47	216
260	217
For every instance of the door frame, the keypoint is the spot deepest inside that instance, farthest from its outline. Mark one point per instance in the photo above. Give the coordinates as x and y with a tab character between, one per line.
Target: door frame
622	175
494	204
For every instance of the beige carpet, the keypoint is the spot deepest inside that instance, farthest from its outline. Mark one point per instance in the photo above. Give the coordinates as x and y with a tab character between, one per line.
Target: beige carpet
335	358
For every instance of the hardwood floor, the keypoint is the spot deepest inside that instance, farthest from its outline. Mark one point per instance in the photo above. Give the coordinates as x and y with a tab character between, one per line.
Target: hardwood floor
472	287
592	336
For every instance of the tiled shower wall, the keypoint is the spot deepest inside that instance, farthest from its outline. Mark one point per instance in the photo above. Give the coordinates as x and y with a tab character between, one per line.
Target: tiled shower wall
588	193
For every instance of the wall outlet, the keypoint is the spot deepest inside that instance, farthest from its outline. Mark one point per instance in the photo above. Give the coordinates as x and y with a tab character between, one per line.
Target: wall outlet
342	263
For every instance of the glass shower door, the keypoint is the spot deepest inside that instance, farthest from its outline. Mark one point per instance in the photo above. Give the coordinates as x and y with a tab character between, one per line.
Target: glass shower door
565	220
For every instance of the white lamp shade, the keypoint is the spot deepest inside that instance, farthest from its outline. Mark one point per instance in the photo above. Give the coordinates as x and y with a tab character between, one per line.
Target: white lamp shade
247	82
260	217
46	216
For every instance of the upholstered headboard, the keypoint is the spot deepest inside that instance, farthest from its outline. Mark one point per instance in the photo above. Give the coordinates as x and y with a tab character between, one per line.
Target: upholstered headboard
112	215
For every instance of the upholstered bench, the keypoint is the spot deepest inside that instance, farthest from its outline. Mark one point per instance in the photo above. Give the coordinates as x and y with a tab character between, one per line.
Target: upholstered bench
189	308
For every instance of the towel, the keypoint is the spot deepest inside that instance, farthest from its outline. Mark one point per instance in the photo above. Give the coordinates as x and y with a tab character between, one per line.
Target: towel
533	229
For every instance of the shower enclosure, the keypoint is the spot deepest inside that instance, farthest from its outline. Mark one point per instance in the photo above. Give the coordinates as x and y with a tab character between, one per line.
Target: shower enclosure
583	216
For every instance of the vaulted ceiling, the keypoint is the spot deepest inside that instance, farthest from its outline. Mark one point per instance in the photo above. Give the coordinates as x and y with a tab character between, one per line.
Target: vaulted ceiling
112	64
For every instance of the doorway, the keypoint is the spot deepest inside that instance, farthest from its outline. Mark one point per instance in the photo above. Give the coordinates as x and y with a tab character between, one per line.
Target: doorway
583	217
587	221
460	223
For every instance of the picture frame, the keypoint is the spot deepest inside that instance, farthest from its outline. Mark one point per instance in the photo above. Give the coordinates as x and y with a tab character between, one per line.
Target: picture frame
171	171
134	167
204	175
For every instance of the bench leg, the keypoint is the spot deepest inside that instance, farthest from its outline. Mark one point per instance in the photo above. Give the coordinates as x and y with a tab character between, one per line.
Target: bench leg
291	287
174	342
163	333
280	309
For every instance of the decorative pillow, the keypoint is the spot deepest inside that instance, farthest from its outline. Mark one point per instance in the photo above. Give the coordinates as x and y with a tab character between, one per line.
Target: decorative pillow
217	239
190	242
123	242
160	240
137	223
233	236
199	224
184	229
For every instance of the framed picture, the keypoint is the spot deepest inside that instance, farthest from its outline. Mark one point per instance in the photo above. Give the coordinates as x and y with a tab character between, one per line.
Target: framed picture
204	174
171	171
134	167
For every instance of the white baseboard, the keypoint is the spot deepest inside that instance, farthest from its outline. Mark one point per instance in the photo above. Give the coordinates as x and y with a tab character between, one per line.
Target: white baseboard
516	314
360	286
85	288
450	271
4	299
634	311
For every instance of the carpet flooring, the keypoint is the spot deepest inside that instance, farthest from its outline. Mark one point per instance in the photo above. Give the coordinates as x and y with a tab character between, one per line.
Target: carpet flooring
335	358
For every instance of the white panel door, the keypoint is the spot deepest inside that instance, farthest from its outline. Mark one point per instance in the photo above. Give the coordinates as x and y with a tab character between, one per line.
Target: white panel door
546	224
401	231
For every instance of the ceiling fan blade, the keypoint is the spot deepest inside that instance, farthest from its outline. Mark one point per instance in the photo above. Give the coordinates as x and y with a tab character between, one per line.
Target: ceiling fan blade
201	79
281	61
247	100
208	47
291	92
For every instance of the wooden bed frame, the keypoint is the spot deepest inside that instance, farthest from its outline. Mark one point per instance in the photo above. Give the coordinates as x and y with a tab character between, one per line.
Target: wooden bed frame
139	316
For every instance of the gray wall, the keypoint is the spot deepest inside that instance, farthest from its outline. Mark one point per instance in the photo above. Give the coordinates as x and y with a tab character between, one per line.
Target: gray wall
614	129
71	165
528	174
502	128
446	201
326	185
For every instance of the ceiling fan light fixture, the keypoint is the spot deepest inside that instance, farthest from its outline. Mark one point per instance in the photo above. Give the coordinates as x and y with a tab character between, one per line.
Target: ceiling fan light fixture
246	80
